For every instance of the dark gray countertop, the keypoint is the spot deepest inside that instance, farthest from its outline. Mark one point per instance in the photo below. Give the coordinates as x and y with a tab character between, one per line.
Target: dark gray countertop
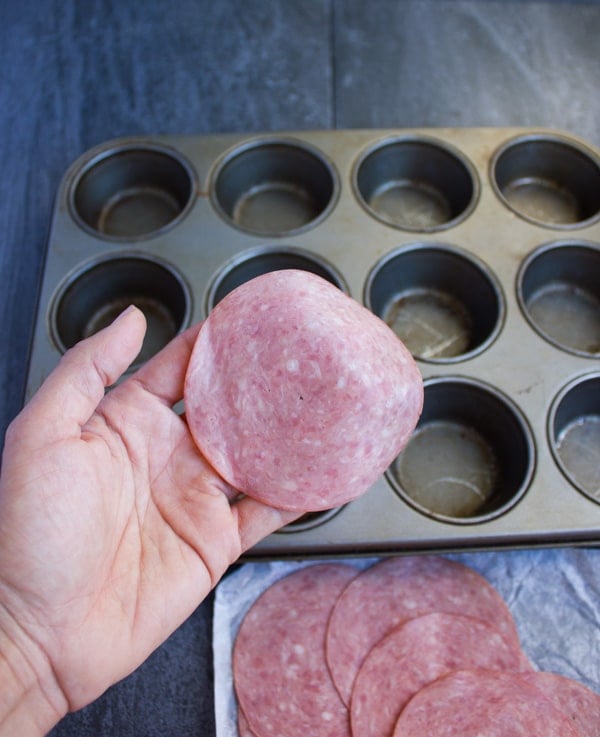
75	74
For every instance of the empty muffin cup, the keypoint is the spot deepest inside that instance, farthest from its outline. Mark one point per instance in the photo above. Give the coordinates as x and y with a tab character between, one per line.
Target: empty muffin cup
132	192
95	294
416	184
559	291
471	457
574	432
262	260
274	187
443	304
548	180
310	520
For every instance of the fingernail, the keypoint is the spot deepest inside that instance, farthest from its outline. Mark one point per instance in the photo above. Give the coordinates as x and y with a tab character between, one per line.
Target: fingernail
126	311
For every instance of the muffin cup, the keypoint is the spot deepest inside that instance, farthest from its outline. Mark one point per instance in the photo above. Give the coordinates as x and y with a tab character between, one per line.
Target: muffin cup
92	296
471	457
574	433
261	260
416	184
445	305
548	180
274	187
558	289
132	192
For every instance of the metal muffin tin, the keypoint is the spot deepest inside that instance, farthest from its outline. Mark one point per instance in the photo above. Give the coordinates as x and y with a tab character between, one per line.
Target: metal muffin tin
479	246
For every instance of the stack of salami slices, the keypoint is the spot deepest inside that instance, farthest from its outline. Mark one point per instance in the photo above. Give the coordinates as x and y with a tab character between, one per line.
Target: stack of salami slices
411	647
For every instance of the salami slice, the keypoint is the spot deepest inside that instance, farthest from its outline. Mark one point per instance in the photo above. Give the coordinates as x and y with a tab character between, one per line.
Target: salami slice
417	653
472	703
243	726
398	589
298	395
281	679
580	704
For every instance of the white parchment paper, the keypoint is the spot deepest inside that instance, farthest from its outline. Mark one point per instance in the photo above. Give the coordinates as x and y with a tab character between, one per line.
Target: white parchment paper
554	596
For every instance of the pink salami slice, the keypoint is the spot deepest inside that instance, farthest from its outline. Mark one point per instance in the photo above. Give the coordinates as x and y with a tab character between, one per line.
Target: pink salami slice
418	652
243	726
298	395
580	704
281	679
473	703
396	590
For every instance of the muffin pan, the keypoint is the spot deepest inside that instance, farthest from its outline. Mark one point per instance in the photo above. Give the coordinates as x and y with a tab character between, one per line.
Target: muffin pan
480	248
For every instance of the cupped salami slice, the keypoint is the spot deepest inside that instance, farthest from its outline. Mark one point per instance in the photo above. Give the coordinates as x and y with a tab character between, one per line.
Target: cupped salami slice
298	395
477	703
417	653
398	589
281	679
580	704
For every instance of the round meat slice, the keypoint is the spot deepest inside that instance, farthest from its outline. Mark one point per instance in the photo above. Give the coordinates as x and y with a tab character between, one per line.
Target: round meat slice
298	395
580	704
280	675
417	653
473	703
398	589
243	726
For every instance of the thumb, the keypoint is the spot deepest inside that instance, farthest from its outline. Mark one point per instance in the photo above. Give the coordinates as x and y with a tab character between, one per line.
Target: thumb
71	393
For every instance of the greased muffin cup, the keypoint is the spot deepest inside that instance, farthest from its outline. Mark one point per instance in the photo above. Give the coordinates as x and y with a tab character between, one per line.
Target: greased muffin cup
479	246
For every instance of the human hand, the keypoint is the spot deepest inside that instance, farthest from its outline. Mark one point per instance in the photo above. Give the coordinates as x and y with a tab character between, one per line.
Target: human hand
113	528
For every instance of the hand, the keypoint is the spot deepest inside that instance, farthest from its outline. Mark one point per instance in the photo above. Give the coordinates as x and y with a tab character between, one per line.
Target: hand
113	528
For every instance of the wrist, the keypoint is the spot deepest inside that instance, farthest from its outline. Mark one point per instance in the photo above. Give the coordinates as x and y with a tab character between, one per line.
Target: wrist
31	701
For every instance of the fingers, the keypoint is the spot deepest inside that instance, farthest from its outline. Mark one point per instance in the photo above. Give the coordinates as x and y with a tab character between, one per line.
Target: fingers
257	520
70	394
164	374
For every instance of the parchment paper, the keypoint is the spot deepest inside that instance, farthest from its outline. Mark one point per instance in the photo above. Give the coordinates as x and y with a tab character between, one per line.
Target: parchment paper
554	596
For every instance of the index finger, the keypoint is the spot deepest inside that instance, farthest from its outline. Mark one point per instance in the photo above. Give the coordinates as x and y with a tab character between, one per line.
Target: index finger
257	520
164	374
72	391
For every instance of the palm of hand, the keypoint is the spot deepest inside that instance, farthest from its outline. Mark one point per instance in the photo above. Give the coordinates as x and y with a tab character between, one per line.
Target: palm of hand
112	526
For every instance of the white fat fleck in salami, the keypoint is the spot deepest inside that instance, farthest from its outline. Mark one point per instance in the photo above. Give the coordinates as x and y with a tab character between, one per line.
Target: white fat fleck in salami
281	679
479	703
398	589
298	395
580	704
417	653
